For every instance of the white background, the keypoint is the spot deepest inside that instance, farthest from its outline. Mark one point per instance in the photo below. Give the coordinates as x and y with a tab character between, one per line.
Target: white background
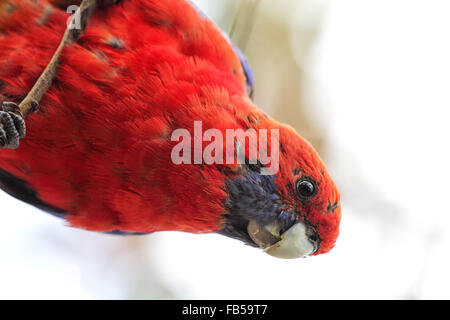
378	77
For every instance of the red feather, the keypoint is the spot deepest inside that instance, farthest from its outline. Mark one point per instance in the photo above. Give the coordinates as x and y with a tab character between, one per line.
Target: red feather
99	147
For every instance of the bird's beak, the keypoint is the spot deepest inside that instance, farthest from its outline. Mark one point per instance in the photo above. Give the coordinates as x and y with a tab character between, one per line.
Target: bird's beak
295	242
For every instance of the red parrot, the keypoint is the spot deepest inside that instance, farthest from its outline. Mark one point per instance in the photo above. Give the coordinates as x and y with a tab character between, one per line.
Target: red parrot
98	151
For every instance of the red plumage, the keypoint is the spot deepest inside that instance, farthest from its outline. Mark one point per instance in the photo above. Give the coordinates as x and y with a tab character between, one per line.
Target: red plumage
99	147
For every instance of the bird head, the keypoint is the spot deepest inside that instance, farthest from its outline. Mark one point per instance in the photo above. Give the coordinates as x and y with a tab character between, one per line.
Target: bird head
292	213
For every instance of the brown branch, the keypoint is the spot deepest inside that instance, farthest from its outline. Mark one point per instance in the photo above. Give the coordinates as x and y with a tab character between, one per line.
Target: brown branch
31	101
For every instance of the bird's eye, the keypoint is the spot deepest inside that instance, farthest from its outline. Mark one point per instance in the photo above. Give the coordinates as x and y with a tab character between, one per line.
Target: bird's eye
306	188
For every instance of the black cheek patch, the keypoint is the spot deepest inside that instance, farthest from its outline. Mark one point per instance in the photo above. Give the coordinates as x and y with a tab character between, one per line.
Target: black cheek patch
250	197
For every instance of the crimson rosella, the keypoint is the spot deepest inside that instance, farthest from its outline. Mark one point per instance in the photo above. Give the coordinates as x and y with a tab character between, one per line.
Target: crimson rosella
99	151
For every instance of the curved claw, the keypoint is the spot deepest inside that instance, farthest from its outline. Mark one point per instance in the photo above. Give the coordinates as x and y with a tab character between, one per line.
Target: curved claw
12	126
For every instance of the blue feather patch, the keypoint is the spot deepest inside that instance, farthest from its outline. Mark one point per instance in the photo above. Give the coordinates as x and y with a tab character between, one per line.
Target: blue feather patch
250	83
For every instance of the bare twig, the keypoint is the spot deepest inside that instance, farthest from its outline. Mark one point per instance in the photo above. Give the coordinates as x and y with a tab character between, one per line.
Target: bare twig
71	34
12	124
243	23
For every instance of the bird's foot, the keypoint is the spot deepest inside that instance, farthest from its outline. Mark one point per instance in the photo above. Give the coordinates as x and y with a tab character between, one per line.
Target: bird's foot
12	126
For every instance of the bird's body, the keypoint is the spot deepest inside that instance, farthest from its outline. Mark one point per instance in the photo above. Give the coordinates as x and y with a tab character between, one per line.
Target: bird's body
98	151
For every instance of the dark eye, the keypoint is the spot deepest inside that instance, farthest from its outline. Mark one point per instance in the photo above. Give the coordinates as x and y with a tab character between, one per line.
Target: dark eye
306	188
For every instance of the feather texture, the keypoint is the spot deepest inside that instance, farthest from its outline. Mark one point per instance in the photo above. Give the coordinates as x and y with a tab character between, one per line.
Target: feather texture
99	147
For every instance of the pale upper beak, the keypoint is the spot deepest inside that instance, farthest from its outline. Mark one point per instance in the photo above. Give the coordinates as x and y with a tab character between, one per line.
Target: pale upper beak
298	241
